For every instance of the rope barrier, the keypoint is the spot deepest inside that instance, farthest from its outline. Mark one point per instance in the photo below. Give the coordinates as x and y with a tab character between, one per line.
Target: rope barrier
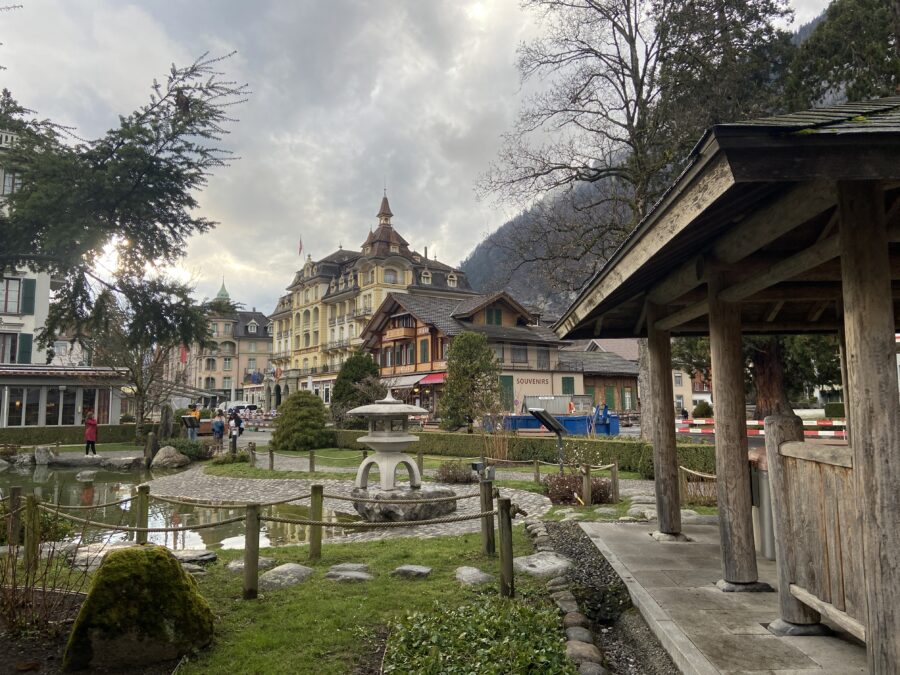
128	528
435	500
351	457
363	525
601	467
710	476
92	506
228	505
523	462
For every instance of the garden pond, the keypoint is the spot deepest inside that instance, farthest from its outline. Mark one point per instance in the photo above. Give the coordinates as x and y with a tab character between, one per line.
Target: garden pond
61	485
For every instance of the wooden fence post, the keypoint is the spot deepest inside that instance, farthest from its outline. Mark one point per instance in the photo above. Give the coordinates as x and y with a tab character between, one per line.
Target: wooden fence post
251	552
148	449
251	447
271	459
682	486
586	484
315	531
420	460
32	533
796	617
142	512
312	460
15	501
488	546
614	482
507	581
537	471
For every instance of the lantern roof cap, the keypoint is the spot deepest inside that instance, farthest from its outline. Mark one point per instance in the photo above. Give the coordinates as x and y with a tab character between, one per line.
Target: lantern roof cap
388	407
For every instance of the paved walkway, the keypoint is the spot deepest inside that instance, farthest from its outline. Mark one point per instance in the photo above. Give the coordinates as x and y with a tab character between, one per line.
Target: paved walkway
706	631
195	484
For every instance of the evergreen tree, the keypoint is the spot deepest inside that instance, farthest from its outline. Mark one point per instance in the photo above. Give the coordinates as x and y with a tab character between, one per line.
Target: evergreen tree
472	387
133	190
346	394
300	424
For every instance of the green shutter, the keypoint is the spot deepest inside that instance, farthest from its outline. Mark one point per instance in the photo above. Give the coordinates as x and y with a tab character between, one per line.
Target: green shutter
507	398
423	351
568	386
28	293
24	355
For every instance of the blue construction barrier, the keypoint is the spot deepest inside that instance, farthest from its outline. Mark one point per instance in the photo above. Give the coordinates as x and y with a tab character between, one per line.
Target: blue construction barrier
575	425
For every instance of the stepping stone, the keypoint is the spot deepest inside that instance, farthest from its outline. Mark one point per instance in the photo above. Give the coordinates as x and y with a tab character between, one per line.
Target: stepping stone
349	567
579	634
90	556
562	595
606	511
85	476
542	564
573	619
348	576
688	512
237	565
628	519
558	581
643	499
589	668
567	606
191	568
471	576
411	571
583	652
198	556
637	512
284	576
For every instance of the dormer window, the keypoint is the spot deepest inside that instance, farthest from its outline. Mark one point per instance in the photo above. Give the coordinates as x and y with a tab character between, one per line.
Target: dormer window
417	258
426	278
390	276
451	280
251	327
367	250
395	248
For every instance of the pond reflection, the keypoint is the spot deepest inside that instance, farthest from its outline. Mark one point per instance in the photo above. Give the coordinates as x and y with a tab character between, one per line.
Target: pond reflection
64	487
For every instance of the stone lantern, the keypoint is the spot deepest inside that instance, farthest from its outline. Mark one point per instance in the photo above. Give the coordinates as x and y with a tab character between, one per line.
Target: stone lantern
389	437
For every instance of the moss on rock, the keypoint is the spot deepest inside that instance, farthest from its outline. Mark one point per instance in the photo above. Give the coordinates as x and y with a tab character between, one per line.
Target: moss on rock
142	608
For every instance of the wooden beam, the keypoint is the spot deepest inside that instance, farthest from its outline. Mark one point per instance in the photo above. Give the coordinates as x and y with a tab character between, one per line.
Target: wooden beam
732	472
685	315
816	312
874	411
639	324
773	311
662	420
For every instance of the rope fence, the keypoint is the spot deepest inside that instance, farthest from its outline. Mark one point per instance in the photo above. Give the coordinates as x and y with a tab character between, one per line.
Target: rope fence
504	511
90	507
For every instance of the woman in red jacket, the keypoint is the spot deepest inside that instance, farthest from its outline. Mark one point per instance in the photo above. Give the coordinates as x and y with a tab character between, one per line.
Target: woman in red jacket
90	434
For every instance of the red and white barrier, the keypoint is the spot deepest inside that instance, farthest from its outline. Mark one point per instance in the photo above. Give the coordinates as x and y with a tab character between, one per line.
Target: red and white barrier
707	426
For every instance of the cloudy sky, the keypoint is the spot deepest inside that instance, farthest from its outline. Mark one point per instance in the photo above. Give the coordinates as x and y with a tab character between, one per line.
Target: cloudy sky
347	95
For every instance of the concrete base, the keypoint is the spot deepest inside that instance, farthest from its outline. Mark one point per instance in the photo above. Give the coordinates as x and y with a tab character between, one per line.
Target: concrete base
665	536
375	512
752	587
783	628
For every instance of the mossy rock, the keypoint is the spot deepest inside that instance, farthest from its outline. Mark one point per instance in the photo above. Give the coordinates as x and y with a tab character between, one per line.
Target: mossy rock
142	608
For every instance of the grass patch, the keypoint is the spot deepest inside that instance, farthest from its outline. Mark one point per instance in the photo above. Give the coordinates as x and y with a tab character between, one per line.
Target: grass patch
329	628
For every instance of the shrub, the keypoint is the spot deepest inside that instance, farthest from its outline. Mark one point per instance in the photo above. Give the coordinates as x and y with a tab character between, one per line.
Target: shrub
231	458
202	448
561	489
53	527
206	414
455	472
833	410
702	409
74	435
127	418
491	636
300	424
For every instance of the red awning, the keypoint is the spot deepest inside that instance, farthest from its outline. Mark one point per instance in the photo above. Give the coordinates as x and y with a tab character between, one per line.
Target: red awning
434	378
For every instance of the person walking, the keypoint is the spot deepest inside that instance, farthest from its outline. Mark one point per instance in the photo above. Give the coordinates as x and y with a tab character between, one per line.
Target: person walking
218	430
195	413
235	428
90	434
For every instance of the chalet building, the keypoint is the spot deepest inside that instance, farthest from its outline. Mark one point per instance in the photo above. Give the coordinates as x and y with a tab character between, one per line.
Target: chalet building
409	337
319	322
608	378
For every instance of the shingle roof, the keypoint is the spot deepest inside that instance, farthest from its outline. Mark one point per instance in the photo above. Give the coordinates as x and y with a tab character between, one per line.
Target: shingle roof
600	363
862	116
244	318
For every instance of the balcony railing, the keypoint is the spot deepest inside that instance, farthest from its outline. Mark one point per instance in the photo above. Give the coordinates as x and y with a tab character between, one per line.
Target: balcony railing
253	376
403	333
338	344
281	355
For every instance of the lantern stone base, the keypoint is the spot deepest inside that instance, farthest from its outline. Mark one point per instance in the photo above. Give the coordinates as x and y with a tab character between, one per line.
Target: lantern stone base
412	511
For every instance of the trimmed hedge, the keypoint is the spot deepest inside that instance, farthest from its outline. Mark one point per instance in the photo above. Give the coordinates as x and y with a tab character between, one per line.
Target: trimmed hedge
73	435
631	454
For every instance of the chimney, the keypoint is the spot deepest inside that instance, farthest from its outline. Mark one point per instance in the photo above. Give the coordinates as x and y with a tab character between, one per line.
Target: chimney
426	253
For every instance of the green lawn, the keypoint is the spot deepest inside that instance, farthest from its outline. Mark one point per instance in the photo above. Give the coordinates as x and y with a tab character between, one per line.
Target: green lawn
329	628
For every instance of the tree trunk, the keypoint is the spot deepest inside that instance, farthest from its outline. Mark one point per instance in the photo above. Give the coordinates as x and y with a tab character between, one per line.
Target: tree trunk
139	404
768	376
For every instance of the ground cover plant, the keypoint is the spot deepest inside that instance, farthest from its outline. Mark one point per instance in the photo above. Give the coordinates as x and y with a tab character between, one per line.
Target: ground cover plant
330	628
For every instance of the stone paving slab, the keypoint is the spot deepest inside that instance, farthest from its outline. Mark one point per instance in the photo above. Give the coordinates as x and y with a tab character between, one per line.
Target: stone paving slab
705	630
195	484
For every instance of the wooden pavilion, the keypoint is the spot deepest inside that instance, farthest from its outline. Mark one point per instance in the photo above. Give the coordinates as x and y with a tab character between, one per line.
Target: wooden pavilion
789	224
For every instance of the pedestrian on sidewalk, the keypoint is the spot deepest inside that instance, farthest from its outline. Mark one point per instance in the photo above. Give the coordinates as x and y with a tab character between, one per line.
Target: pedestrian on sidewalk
218	430
90	434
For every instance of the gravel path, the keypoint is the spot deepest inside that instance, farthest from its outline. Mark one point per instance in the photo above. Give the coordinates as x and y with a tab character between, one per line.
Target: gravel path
623	636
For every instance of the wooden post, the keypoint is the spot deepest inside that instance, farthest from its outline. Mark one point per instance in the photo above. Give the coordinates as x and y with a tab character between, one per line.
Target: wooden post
488	546
148	449
420	460
233	445
315	531
507	581
874	410
13	525
662	424
142	512
682	486
845	378
537	471
614	484
794	614
312	461
586	484
32	533
732	465
251	447
251	552
271	459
